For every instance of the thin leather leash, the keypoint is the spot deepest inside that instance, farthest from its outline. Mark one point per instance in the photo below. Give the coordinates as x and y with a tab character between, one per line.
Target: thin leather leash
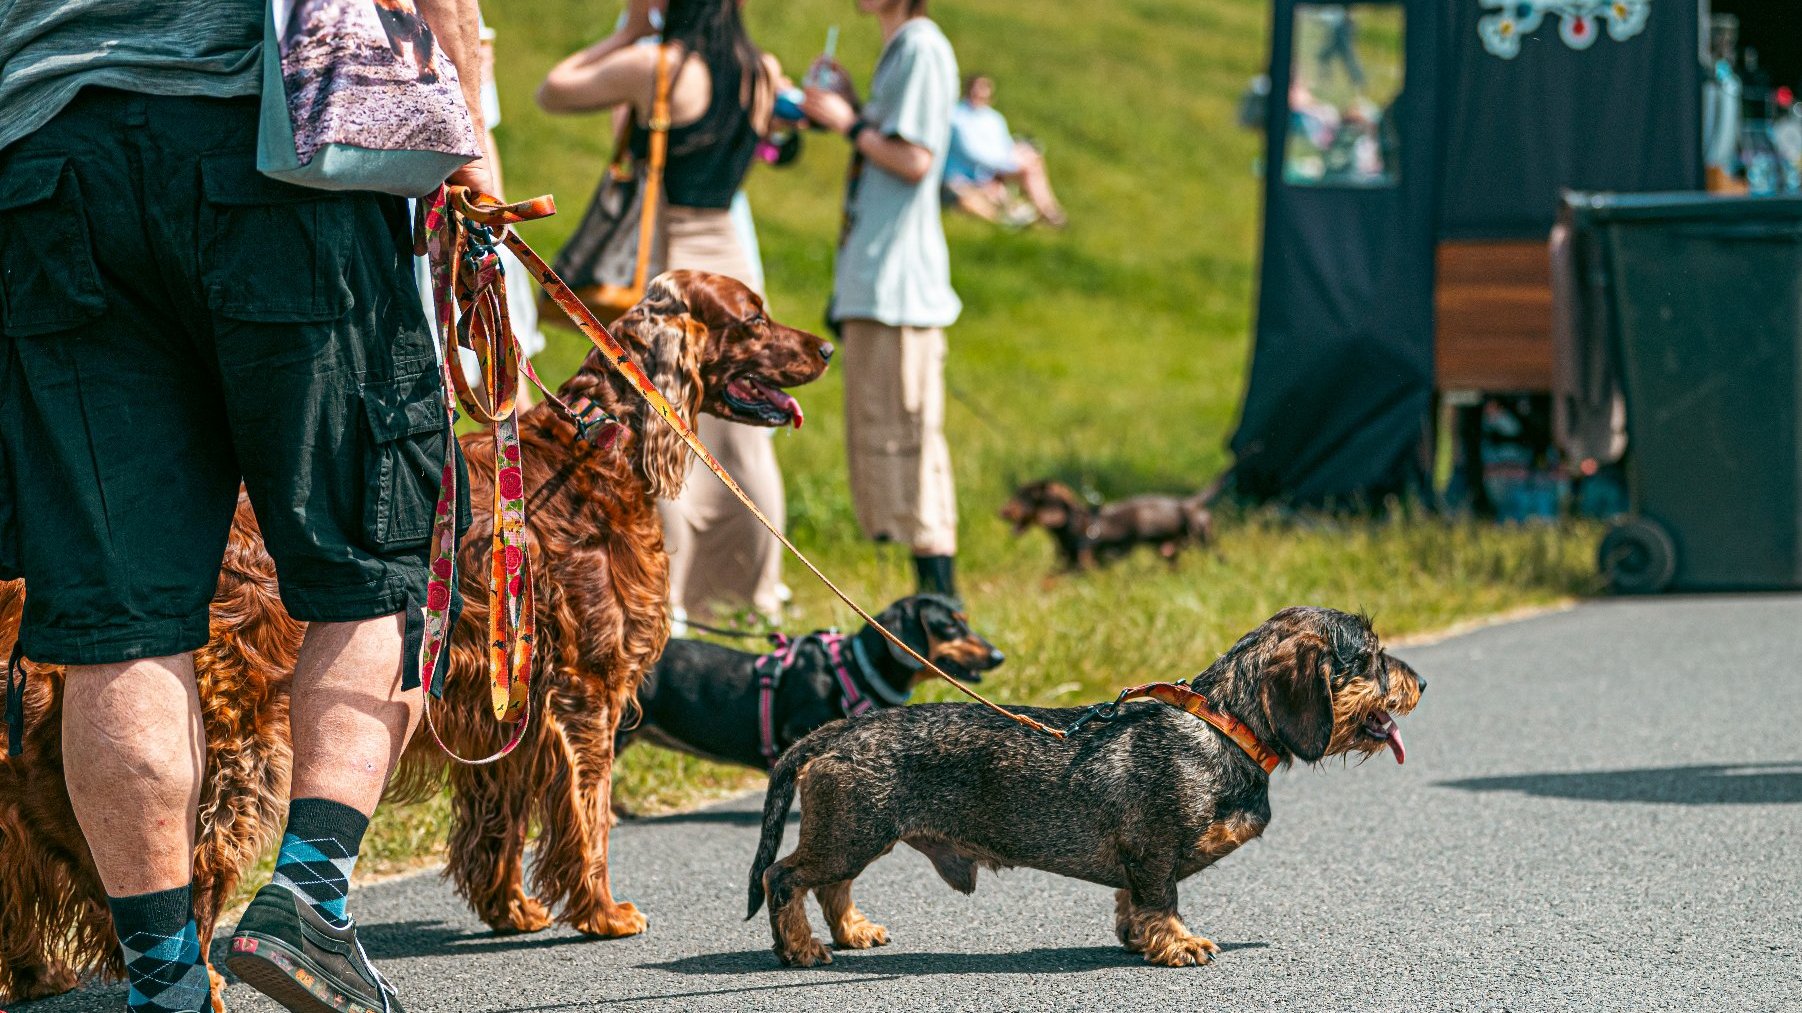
1190	700
620	360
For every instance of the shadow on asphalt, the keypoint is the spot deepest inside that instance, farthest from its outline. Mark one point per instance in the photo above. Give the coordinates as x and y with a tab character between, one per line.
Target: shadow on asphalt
1050	960
851	968
1707	784
730	817
389	940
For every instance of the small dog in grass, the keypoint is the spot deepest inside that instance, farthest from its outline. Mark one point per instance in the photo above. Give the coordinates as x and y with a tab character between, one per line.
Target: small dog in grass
1137	799
745	708
1088	535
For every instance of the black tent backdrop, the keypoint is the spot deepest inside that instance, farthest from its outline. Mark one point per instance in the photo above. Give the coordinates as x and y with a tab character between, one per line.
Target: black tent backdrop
1342	372
1338	404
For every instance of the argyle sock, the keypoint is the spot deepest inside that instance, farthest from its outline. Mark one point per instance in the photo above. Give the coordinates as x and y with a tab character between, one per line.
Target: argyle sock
162	952
318	852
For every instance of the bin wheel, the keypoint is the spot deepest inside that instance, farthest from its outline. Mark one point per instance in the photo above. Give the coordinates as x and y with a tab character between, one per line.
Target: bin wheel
1638	557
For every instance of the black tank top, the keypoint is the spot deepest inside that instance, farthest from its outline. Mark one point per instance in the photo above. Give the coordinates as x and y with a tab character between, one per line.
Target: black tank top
706	161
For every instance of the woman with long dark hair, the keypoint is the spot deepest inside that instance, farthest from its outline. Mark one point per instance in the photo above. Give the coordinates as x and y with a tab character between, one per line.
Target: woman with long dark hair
721	100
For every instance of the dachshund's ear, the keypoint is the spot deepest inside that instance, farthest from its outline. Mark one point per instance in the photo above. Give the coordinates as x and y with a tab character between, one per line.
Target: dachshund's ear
1052	515
1298	701
907	619
662	336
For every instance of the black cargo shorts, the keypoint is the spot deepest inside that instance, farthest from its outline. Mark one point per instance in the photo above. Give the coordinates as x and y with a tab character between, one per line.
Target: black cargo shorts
173	323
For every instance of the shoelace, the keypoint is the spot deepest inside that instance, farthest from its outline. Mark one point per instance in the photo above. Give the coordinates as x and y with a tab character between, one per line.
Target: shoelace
382	986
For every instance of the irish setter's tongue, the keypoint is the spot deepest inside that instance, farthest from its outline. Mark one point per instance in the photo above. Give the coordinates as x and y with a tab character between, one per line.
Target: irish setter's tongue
783	400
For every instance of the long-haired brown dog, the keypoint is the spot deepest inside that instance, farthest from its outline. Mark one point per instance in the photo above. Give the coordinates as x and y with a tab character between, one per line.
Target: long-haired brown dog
597	550
1139	801
1087	535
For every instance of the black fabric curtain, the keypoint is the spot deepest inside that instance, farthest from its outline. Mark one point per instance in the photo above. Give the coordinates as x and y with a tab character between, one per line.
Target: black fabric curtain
1338	404
1607	115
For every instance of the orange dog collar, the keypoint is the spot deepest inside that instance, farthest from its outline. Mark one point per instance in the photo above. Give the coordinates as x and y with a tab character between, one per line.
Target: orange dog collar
1177	695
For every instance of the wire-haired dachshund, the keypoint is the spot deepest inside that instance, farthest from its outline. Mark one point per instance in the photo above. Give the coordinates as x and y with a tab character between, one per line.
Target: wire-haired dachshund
1138	797
1088	535
745	708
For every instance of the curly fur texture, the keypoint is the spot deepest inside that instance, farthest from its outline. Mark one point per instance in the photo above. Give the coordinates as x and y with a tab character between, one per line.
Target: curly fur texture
602	584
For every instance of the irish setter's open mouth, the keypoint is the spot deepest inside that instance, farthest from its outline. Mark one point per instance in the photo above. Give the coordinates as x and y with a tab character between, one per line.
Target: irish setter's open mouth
761	403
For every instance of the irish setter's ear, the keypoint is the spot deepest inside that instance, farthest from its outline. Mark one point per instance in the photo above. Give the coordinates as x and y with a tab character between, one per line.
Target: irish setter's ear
1298	701
661	336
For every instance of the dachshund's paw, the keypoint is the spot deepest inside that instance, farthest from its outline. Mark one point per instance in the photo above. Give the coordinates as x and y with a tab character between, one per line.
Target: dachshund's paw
622	919
806	953
1183	950
860	934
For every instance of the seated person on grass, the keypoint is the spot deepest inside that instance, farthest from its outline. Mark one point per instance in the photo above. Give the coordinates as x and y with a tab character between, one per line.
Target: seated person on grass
985	158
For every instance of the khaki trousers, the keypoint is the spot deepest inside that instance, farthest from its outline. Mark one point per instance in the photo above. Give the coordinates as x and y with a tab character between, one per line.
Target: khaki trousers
721	560
900	465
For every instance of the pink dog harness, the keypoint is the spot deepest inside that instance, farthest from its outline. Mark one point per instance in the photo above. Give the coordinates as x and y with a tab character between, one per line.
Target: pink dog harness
770	668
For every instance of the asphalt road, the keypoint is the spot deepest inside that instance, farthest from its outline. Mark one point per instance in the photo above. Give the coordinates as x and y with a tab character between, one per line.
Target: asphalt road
1601	809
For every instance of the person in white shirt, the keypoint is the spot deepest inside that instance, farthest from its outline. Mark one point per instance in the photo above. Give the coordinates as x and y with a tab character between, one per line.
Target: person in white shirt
985	158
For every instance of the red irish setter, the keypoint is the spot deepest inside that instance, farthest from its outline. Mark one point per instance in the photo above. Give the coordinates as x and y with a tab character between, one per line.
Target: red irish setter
597	550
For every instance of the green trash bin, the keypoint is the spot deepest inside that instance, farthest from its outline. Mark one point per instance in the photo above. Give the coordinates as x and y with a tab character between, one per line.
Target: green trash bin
1700	302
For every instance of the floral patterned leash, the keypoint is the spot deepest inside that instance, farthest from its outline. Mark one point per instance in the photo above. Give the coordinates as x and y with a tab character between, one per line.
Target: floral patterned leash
458	232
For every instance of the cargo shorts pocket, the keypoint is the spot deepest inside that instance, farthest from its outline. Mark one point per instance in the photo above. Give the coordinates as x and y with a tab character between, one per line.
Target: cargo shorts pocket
272	252
48	281
404	465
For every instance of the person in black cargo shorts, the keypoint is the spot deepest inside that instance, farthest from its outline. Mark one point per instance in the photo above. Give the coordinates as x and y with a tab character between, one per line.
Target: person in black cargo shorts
173	323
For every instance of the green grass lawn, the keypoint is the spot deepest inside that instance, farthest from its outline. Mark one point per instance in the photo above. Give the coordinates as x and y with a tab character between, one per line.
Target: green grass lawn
1111	354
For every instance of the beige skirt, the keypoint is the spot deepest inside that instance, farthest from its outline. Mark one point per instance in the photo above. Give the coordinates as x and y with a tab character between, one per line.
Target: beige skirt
722	562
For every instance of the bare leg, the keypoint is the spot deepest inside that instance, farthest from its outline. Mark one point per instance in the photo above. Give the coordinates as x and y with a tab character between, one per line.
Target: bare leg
349	716
135	724
974	200
1036	182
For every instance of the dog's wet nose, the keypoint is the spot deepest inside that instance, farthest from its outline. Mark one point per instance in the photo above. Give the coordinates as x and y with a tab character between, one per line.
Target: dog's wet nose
995	656
1421	682
826	351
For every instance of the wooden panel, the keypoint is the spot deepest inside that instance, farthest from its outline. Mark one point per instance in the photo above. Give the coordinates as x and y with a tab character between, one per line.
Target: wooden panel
1493	316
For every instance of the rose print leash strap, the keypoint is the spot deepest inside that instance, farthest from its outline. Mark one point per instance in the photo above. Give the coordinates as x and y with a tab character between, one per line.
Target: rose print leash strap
469	287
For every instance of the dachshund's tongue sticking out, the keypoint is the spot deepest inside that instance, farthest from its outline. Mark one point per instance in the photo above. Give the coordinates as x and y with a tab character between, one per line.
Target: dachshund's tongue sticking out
1381	726
755	397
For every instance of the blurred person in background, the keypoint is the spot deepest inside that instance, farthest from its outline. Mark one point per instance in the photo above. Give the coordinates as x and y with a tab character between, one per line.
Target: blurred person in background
722	97
985	158
892	297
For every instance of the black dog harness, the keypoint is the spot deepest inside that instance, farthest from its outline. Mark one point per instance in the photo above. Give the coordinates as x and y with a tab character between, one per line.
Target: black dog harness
852	700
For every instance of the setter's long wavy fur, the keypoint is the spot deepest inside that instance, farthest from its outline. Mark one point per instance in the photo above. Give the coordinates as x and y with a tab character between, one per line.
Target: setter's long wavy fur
601	579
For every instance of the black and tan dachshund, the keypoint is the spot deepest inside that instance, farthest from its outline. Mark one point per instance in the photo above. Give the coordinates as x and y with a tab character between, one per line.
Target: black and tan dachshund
1086	535
1142	796
746	708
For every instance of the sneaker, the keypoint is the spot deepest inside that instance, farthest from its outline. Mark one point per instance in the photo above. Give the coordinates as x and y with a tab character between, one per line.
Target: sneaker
287	951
